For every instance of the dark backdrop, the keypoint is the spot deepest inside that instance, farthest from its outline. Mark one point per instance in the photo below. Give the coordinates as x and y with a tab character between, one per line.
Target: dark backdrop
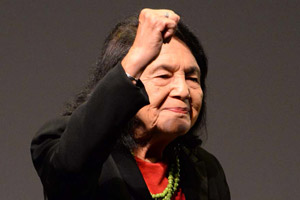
46	48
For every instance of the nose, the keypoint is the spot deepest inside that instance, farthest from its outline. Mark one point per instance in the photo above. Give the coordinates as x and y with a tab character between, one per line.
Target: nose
179	88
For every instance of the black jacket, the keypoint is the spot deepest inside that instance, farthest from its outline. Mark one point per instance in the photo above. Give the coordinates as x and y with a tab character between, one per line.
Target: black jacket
77	157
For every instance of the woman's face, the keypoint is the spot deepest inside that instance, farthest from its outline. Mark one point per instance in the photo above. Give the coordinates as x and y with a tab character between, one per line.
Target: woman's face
172	82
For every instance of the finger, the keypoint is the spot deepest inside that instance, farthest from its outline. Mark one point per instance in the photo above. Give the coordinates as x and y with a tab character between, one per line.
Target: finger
164	24
167	29
173	16
168	35
170	14
170	30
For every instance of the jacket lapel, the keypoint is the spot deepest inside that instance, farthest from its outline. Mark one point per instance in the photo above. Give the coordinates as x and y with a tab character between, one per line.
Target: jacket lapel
131	173
194	177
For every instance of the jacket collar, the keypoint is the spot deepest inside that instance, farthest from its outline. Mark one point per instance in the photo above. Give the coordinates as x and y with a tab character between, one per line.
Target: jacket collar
131	173
193	177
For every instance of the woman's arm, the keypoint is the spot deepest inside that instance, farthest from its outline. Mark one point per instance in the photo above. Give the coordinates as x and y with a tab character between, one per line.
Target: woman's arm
68	153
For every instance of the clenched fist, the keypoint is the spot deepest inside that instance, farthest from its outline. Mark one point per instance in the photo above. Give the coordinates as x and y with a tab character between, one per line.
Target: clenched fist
155	28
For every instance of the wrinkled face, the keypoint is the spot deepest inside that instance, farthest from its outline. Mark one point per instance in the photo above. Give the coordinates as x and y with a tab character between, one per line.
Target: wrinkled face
172	82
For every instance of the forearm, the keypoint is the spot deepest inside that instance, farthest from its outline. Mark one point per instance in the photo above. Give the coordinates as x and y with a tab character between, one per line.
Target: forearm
95	126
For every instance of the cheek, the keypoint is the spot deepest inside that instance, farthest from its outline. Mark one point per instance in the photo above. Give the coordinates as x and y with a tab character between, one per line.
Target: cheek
196	104
149	114
156	94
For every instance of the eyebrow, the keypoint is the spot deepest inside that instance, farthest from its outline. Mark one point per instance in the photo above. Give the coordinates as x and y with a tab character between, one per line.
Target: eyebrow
192	70
159	67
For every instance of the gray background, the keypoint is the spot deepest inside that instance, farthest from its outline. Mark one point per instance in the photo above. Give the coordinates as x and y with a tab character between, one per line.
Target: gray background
46	48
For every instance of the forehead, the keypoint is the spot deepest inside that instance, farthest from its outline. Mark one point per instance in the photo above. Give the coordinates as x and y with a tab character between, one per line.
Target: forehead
174	56
174	45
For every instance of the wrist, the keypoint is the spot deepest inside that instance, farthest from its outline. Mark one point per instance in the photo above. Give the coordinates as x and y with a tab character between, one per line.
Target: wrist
132	79
129	65
134	63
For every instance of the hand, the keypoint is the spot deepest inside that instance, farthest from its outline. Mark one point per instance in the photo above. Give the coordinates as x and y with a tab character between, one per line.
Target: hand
155	28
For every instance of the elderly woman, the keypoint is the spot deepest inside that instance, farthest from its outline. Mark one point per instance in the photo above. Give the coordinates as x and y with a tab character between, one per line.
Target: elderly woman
132	133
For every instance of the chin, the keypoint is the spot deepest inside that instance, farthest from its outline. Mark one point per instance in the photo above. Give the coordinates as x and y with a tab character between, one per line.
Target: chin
175	128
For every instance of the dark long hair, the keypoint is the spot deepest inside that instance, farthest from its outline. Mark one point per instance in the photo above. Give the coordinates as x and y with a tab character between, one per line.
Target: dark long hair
116	46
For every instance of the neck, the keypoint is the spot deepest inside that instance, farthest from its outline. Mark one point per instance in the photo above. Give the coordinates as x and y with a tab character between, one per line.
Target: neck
152	151
153	144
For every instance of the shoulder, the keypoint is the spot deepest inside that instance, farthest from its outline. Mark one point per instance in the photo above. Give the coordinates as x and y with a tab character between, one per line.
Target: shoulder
204	155
212	166
198	154
212	163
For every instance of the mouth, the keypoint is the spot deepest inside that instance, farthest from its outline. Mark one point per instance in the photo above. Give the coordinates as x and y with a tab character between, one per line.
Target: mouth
182	110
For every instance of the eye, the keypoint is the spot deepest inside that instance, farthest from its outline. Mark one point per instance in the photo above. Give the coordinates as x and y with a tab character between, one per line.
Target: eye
194	79
164	76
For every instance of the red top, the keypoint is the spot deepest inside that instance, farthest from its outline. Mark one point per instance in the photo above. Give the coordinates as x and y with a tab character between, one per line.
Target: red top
155	177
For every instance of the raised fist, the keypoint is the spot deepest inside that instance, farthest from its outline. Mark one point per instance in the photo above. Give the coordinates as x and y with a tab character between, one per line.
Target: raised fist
155	28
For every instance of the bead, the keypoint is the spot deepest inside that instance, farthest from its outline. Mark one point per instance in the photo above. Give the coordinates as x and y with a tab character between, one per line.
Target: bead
173	179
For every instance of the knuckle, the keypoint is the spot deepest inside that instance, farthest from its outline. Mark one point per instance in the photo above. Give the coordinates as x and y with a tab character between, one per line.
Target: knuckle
144	12
153	19
164	22
160	25
171	24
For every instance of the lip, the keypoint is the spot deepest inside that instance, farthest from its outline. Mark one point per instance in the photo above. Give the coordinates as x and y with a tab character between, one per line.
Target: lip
182	110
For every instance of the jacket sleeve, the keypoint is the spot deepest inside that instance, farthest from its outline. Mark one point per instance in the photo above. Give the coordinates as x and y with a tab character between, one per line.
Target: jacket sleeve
68	152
